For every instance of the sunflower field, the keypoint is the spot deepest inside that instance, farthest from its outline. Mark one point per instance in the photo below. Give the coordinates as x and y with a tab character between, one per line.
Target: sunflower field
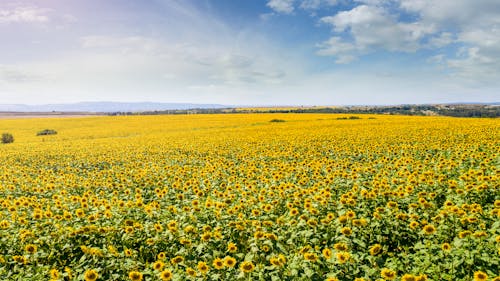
237	197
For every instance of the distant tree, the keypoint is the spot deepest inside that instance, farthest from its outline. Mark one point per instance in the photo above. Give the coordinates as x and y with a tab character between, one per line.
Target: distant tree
46	132
7	138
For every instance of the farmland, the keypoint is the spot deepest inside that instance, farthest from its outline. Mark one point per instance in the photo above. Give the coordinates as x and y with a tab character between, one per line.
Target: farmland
235	196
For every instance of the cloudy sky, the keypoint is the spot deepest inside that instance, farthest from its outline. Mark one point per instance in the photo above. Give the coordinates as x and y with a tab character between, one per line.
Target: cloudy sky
250	52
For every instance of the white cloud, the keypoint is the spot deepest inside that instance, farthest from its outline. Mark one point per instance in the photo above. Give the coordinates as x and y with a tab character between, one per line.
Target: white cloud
488	40
316	4
288	6
266	16
199	57
372	28
441	40
15	75
479	59
107	66
373	2
282	6
125	44
361	15
474	24
455	14
236	69
439	59
69	18
24	15
338	48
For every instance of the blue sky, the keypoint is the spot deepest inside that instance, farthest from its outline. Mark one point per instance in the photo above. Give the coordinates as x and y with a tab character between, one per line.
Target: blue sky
250	52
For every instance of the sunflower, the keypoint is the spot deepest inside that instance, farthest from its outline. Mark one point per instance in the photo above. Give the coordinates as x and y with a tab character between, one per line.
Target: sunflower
312	222
68	272
229	261
161	255
158	265
172	226
429	229
185	241
231	247
446	247
30	248
480	276
275	261
20	259
343	219
375	249
218	263
464	234
310	257
388	274
332	279
177	260
422	277
80	213
359	222
129	229
414	224
479	234
305	249
330	216
327	253
282	259
189	229
268	207
266	248
408	277
91	275
340	246
158	227
347	231
247	266
392	204
203	267
259	234
206	236
343	257
272	236
471	219
166	275
350	214
135	276
191	272
54	273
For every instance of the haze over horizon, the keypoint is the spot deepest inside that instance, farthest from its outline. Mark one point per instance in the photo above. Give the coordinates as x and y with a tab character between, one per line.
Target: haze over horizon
259	52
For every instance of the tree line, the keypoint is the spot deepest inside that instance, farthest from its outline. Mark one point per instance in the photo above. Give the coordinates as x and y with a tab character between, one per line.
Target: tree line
459	110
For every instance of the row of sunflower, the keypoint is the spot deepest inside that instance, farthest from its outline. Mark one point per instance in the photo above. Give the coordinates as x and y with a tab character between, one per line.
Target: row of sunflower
226	197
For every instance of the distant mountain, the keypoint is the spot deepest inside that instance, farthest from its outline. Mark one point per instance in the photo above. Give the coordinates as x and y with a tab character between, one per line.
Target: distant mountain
105	107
